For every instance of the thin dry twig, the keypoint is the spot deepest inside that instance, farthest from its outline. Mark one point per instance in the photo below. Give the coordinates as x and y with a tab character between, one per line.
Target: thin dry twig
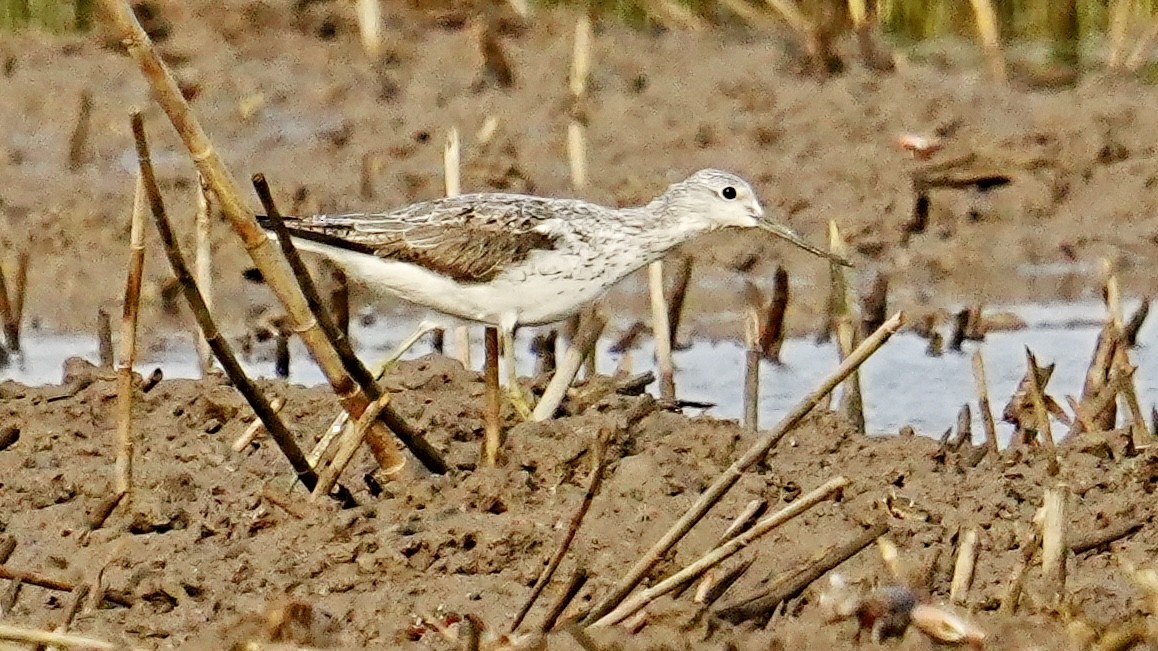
852	402
114	597
723	552
600	461
257	244
256	427
793	582
34	636
712	495
1053	539
492	426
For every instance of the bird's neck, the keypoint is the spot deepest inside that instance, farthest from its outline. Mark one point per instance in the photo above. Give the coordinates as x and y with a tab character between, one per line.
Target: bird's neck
664	228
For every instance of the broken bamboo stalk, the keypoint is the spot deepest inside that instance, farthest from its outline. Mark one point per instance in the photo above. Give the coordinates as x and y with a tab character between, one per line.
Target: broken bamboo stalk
990	35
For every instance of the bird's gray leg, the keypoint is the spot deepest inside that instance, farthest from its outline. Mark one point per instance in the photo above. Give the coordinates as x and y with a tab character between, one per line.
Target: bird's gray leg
522	402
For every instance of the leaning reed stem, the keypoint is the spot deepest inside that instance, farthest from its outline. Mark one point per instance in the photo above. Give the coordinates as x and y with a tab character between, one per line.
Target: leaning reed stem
129	318
258	245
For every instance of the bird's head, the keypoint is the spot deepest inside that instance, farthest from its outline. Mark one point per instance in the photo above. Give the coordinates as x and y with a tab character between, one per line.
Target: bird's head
723	200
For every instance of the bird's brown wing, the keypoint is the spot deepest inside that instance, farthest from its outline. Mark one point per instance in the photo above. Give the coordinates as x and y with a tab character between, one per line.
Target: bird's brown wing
469	239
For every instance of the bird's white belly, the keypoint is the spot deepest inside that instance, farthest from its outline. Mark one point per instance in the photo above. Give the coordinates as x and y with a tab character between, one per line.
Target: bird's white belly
533	299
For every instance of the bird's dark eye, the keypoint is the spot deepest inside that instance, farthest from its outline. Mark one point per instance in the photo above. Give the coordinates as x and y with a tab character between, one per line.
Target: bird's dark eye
728	193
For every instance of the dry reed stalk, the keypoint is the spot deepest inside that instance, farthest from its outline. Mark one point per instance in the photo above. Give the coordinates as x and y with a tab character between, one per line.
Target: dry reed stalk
852	402
578	580
1098	377
989	32
1040	413
370	27
385	453
114	597
583	342
8	315
225	356
129	319
677	296
369	169
492	436
256	427
1053	540
340	299
203	268
577	129
793	582
281	354
105	338
983	403
752	359
257	244
452	177
858	11
1100	402
1112	296
581	57
600	460
728	478
661	332
1120	11
772	327
874	304
352	437
78	153
19	292
33	636
963	568
72	608
722	553
1134	324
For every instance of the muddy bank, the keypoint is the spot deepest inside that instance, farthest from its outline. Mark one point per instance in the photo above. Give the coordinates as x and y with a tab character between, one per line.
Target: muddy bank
213	537
290	94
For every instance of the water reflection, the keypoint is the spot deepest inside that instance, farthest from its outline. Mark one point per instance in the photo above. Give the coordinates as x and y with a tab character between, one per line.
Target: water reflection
901	384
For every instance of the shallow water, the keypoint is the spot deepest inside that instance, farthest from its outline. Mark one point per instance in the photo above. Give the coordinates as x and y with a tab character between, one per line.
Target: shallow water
901	384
